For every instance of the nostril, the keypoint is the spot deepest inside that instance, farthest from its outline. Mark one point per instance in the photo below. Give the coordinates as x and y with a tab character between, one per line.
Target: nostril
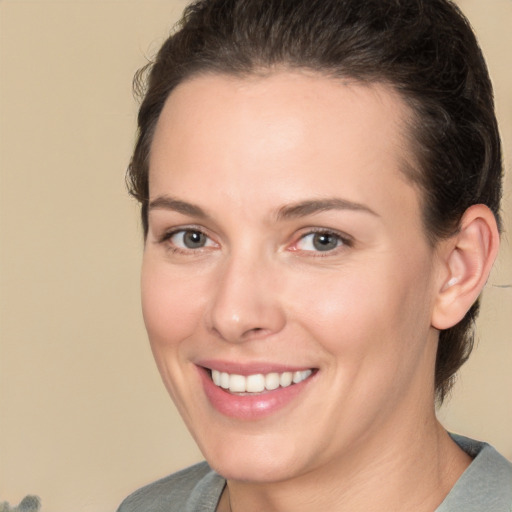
254	331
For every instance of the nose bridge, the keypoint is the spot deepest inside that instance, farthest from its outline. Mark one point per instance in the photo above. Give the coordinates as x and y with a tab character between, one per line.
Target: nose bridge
245	303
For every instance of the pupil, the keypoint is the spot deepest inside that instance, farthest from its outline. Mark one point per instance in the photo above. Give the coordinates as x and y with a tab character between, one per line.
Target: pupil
194	239
325	242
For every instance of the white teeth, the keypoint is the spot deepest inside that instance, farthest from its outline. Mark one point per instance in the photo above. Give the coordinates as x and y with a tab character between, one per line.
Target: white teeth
237	383
300	376
258	382
224	380
271	381
255	383
286	379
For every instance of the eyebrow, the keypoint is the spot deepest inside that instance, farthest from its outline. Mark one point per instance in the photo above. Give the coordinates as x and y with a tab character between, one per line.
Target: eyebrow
310	207
291	211
170	203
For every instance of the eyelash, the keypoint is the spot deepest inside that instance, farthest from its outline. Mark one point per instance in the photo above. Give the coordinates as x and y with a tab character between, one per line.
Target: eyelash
167	236
344	241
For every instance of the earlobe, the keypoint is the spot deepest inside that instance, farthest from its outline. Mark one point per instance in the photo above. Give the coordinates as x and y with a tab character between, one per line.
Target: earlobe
467	257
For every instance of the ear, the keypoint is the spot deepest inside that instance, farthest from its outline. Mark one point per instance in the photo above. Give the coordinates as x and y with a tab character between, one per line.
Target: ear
466	260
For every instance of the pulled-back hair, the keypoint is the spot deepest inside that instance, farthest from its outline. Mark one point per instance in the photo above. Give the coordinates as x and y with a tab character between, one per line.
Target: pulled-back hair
424	49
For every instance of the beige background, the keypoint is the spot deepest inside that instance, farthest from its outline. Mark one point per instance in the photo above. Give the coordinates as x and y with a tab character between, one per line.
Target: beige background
84	419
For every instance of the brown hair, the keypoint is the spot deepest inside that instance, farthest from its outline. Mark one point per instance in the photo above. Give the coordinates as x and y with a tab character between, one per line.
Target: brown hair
424	49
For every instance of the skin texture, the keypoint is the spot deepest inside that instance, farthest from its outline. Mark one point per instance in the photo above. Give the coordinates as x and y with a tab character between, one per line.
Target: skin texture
244	152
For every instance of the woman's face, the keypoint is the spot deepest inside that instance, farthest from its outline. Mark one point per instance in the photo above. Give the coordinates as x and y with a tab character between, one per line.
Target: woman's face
285	244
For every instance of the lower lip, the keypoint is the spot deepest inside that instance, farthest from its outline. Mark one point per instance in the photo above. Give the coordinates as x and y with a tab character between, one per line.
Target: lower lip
249	407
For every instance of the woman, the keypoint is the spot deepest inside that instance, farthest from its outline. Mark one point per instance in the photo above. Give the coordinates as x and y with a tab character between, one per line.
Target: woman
320	186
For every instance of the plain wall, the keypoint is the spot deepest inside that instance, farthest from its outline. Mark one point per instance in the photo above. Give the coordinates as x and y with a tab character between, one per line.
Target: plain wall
84	418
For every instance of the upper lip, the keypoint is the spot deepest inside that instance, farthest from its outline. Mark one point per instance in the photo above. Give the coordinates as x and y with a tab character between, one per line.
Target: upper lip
250	368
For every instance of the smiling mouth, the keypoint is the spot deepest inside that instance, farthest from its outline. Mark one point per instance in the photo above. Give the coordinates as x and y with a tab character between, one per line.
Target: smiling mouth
258	382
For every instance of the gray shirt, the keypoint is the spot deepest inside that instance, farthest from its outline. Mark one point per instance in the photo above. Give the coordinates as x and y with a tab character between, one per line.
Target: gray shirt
485	486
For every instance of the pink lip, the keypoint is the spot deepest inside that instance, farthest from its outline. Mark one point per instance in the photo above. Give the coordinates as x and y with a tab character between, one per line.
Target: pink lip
249	407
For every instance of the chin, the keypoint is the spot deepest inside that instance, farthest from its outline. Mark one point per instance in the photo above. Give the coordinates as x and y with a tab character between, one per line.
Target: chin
247	469
254	460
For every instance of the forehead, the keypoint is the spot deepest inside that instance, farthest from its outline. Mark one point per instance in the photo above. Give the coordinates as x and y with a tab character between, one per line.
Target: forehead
280	94
289	131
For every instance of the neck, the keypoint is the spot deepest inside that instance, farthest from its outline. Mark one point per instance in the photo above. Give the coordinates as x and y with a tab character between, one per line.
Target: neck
408	470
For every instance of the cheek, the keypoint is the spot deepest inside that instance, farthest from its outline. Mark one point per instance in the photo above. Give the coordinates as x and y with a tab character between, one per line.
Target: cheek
374	326
171	306
172	314
338	303
371	308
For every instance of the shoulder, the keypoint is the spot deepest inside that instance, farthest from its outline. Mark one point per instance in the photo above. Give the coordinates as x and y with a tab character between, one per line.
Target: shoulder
197	488
485	485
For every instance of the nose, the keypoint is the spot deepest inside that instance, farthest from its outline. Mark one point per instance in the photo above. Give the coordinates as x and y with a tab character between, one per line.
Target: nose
245	302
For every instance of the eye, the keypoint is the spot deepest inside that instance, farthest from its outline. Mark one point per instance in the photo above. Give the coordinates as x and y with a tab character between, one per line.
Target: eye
322	241
189	239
